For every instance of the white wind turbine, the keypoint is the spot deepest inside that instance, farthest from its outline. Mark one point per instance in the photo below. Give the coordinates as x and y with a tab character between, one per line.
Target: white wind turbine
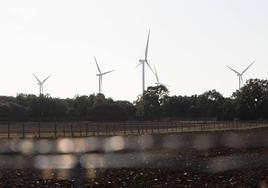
143	62
40	83
100	74
240	78
158	83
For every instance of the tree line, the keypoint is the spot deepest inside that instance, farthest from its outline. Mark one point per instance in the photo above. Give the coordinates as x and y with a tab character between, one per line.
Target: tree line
248	103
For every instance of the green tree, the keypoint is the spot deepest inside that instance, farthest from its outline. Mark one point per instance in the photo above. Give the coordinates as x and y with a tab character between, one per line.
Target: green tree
149	105
210	104
251	100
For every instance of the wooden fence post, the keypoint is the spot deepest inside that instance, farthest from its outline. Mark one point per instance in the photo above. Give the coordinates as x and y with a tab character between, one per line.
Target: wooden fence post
72	134
125	128
131	128
23	131
8	130
55	130
94	130
113	128
39	131
105	128
64	130
167	126
87	129
80	130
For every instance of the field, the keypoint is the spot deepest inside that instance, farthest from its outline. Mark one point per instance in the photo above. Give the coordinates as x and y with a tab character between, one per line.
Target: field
230	158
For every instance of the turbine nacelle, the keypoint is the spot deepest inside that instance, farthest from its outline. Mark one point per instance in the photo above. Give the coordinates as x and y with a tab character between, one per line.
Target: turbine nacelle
40	83
142	61
100	74
240	75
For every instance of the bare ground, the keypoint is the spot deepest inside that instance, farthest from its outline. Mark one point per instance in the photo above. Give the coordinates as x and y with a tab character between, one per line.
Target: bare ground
207	159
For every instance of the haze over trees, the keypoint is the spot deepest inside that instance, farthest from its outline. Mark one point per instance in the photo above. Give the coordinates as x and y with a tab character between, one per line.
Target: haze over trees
248	103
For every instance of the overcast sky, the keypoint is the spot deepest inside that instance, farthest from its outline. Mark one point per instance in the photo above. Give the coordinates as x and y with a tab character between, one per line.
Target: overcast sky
191	43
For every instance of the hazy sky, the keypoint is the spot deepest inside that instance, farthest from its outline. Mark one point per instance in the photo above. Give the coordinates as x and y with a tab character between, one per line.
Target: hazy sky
191	43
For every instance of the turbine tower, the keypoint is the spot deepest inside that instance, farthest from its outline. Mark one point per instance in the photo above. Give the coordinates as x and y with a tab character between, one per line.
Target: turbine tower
40	83
143	62
240	75
100	74
158	83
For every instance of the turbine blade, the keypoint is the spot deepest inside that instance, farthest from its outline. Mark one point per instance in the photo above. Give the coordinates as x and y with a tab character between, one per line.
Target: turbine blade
156	75
97	65
107	72
147	45
36	78
150	67
46	78
139	64
233	70
248	67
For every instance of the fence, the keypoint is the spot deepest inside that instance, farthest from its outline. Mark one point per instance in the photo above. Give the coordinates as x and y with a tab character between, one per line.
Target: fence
83	129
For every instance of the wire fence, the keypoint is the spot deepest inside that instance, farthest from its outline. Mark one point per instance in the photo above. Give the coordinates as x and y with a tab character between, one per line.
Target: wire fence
85	129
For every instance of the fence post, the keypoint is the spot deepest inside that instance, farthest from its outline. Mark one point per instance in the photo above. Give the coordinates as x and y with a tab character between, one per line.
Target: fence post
131	126
113	128
167	125
105	127
72	130
152	128
94	130
8	130
23	131
55	130
145	127
39	131
64	130
124	127
80	130
87	129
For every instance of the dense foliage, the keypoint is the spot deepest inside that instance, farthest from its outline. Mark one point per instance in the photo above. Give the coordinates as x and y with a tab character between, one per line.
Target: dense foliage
248	103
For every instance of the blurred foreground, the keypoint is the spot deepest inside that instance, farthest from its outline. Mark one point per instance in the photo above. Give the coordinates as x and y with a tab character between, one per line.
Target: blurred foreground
204	159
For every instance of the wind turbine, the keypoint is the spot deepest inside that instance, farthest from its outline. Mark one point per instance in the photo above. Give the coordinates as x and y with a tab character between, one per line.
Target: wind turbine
158	83
145	61
240	75
100	74
40	83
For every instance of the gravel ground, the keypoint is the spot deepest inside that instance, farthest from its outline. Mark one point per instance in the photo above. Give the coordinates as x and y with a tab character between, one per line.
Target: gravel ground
141	178
189	168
